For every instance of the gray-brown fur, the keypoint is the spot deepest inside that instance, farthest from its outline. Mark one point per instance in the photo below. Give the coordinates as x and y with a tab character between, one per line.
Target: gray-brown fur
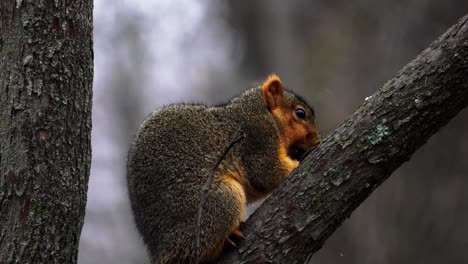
171	158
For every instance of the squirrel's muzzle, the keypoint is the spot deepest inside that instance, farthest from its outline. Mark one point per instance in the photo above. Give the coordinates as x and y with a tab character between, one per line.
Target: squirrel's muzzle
300	151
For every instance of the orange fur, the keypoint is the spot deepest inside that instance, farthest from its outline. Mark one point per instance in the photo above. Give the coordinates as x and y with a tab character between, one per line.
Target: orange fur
287	138
270	80
294	132
272	90
251	195
288	163
233	181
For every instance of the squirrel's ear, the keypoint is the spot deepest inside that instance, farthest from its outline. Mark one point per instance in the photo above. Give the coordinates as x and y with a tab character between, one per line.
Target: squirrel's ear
272	92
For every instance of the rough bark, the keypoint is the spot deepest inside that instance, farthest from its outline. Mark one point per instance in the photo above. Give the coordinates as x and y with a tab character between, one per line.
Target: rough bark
357	157
46	73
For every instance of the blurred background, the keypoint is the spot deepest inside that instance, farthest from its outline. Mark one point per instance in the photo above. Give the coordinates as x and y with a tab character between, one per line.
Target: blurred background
149	53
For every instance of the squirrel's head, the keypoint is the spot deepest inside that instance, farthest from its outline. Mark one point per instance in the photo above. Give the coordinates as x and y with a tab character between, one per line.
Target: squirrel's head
294	117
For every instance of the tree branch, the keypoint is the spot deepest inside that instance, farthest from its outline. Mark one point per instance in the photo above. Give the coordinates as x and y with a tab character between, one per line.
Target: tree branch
359	155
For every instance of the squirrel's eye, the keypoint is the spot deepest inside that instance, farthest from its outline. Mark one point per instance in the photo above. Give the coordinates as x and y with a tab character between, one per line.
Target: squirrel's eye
300	113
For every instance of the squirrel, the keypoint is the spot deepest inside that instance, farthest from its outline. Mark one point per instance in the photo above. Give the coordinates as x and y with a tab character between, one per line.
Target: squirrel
175	148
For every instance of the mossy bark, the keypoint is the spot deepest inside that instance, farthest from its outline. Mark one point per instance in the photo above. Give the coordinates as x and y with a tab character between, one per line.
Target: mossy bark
46	74
358	156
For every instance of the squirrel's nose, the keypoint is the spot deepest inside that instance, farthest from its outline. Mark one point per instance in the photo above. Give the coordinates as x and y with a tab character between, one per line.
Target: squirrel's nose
317	140
314	139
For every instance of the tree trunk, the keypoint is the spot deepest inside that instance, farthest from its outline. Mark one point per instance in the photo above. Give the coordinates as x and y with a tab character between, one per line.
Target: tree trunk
357	157
46	74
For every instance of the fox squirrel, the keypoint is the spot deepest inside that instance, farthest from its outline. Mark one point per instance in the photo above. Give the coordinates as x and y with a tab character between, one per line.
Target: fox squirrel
175	148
